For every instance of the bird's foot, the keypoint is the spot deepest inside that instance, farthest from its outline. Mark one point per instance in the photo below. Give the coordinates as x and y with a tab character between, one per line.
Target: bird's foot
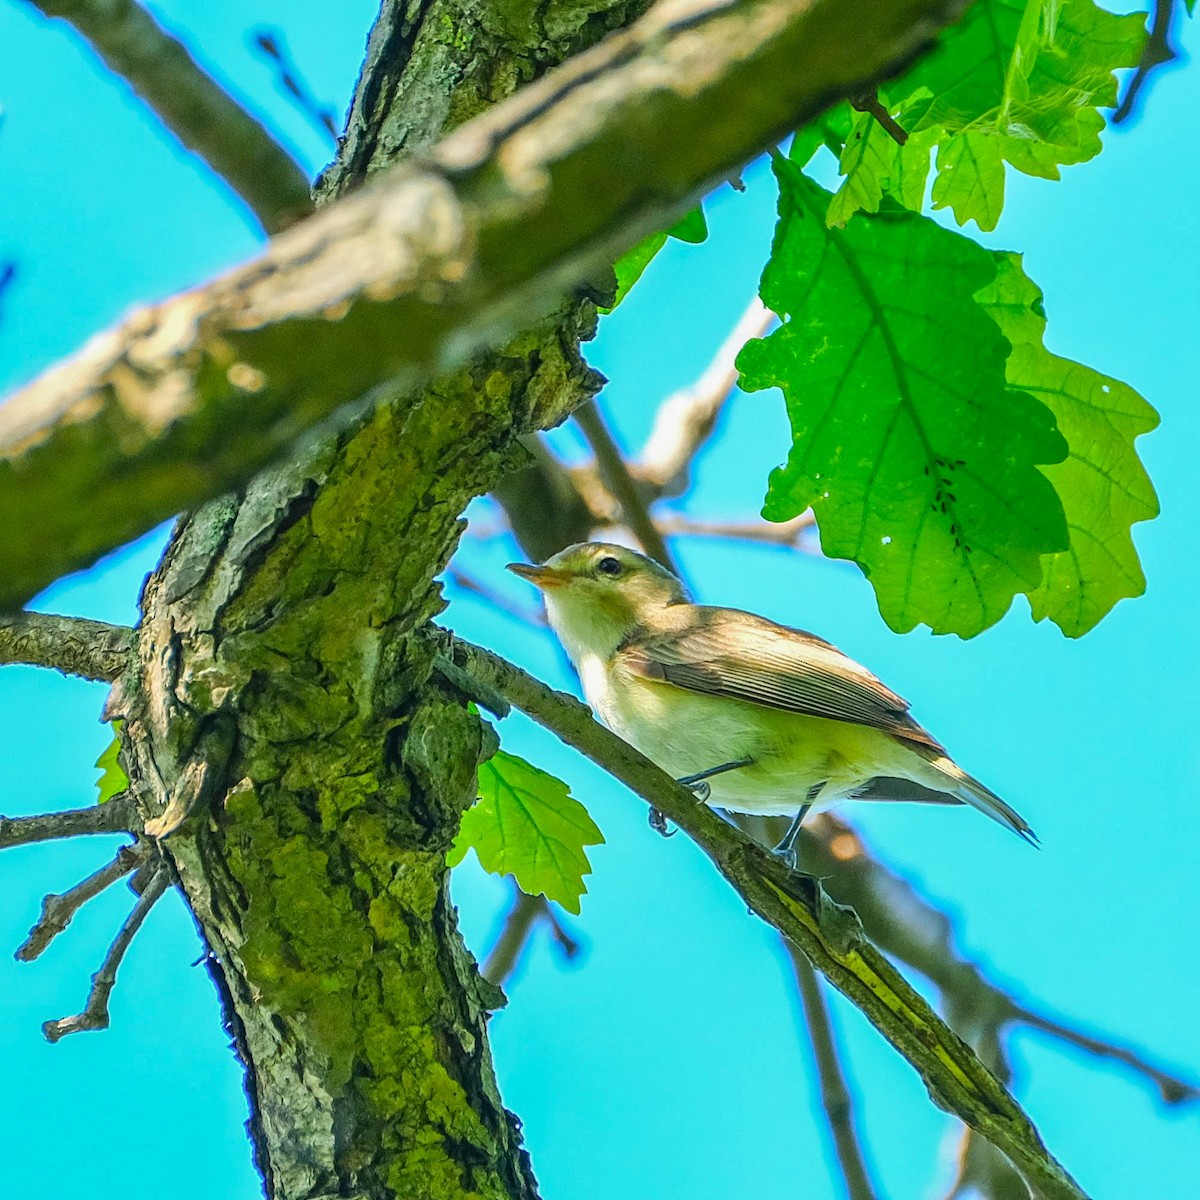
658	822
786	853
699	789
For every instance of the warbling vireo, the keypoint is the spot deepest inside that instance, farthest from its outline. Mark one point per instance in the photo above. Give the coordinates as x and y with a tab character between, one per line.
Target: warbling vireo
777	719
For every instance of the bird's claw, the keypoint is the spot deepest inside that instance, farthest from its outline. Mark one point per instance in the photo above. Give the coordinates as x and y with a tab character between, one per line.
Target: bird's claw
699	789
658	822
787	855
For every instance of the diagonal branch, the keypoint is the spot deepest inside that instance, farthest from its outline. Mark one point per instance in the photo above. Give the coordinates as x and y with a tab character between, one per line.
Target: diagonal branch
831	1080
525	914
192	105
798	907
504	218
95	1012
1157	52
72	645
614	473
116	816
57	910
686	419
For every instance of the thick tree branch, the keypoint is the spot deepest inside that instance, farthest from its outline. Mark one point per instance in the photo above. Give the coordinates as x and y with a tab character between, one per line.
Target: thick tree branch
192	105
798	907
505	216
72	645
114	817
95	1012
831	1081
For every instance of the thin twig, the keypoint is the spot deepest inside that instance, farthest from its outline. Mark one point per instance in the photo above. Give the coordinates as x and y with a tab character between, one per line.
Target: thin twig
783	533
869	103
831	1081
72	645
798	907
271	45
523	917
95	1012
614	471
1157	52
515	933
192	105
1171	1088
57	910
527	616
114	817
685	420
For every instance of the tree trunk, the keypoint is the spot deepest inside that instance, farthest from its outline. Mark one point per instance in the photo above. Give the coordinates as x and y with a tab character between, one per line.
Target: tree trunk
298	743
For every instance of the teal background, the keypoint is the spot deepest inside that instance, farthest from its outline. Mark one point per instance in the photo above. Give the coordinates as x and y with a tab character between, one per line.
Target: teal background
667	1060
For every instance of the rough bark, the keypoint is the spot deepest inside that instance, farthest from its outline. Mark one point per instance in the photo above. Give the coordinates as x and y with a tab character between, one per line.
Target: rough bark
429	265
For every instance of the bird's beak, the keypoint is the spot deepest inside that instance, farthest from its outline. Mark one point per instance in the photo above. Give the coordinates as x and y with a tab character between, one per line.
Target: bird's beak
541	577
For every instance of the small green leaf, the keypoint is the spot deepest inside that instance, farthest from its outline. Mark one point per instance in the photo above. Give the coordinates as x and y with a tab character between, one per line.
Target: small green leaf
692	227
1102	483
830	129
875	165
113	780
526	824
1021	82
918	459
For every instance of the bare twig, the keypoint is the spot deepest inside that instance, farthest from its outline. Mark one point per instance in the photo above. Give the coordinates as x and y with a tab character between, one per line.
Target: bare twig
1157	52
523	917
514	936
271	45
57	910
1171	1088
831	1081
95	1012
783	533
869	103
614	471
798	907
686	419
527	616
192	105
72	645
114	817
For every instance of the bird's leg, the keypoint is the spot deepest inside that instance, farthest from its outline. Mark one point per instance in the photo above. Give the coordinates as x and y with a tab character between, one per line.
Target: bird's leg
696	782
658	822
787	845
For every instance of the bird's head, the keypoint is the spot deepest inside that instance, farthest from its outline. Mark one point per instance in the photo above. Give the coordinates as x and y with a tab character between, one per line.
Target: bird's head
598	593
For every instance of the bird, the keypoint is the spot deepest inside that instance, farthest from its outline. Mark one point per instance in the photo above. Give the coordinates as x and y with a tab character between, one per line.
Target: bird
753	716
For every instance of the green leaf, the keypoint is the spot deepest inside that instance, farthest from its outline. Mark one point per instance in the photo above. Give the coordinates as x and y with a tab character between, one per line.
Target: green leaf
830	129
875	165
526	824
1102	483
113	780
692	227
1016	81
918	460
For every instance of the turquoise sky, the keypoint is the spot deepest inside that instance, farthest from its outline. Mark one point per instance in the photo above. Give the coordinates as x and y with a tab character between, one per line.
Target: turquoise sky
666	1061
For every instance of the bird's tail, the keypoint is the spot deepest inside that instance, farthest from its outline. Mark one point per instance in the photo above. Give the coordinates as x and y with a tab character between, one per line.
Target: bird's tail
970	791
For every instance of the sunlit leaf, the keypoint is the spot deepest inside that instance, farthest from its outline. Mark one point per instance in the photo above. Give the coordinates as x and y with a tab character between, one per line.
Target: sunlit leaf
692	227
113	780
1102	483
526	824
918	459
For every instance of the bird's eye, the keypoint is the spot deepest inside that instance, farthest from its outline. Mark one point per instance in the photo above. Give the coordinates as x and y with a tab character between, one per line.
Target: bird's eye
608	566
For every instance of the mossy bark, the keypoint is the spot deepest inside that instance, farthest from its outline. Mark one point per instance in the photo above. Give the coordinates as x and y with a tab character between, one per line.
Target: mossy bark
311	764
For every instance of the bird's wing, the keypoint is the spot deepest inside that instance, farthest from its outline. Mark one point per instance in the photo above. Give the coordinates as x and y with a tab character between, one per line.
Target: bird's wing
774	665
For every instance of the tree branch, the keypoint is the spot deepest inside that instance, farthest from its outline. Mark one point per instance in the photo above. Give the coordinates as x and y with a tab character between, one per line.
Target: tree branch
95	1012
505	216
686	419
798	907
523	917
831	1080
114	817
192	105
614	473
1157	52
57	910
72	645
